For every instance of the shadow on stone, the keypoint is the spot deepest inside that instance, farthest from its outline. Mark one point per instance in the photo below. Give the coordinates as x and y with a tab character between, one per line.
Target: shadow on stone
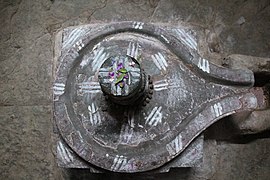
175	173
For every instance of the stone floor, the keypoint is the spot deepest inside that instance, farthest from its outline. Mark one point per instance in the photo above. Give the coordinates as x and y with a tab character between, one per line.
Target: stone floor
27	34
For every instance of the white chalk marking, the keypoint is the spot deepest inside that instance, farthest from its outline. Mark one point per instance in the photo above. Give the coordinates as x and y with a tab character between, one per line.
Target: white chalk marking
154	117
175	145
131	118
166	40
161	85
80	135
118	90
138	25
85	61
64	153
58	89
126	134
160	61
119	163
94	115
217	109
167	84
73	36
79	45
99	57
89	87
133	50
187	39
204	65
140	126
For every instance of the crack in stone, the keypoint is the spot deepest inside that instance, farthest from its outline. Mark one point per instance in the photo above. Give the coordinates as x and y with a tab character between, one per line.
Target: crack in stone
104	4
154	11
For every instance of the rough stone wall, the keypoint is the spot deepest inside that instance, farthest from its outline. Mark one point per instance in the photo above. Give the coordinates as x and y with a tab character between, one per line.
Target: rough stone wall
27	34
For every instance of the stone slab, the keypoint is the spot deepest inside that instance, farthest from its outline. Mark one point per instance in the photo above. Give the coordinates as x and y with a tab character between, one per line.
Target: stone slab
243	161
25	143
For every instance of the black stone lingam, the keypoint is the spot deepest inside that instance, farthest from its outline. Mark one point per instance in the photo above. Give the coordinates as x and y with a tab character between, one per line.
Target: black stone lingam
122	80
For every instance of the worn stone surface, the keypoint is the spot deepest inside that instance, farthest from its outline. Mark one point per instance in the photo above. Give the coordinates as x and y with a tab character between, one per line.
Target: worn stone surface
27	36
26	151
243	161
252	122
257	121
255	64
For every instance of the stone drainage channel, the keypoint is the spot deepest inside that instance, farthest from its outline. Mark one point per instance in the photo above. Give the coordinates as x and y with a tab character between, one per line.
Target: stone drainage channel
135	97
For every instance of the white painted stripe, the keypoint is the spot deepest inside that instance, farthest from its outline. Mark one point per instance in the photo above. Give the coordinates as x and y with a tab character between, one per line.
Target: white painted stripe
217	109
115	161
157	117
160	61
163	60
94	115
97	53
151	114
129	79
90	115
170	149
118	90
100	61
204	65
156	62
133	50
161	85
73	36
187	39
161	81
85	62
99	57
104	74
136	51
129	48
79	45
118	163
80	135
61	152
126	87
73	55
89	83
108	80
126	134
89	87
91	91
175	145
60	84
64	153
154	117
135	74
183	38
113	89
178	143
104	70
131	118
58	88
93	111
138	25
166	40
161	89
134	69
